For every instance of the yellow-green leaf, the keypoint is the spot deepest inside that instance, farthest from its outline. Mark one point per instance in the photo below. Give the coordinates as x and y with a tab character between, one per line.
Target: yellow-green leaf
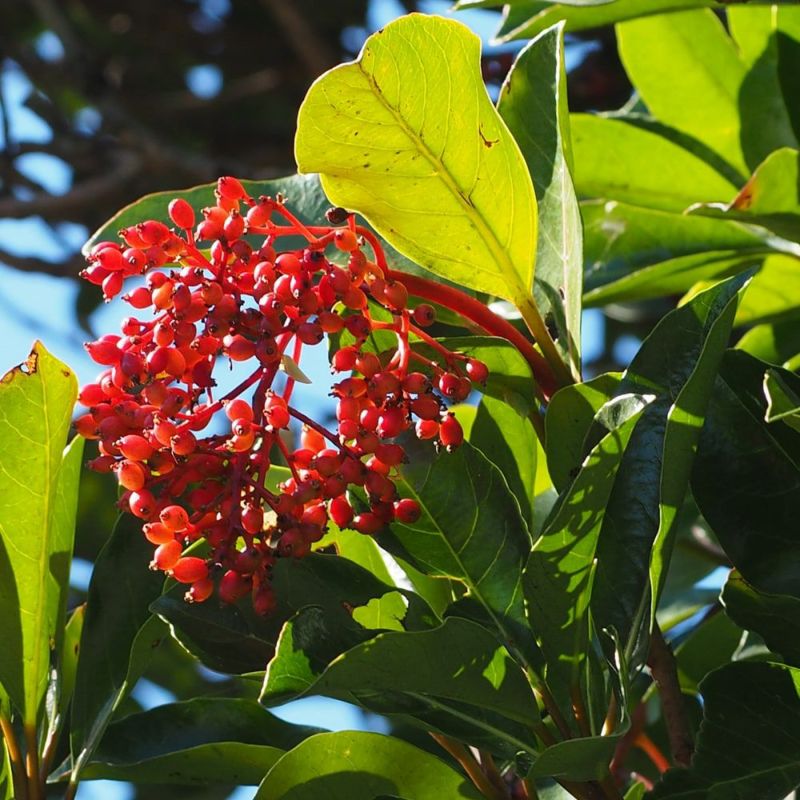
408	136
38	490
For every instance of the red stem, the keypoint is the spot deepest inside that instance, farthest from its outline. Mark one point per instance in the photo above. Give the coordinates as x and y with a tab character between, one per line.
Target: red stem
477	312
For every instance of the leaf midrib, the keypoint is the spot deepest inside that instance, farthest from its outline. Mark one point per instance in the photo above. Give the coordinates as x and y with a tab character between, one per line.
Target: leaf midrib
499	254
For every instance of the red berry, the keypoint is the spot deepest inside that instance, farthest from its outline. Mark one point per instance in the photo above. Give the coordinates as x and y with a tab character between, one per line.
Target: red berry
341	511
233	586
407	511
477	370
200	591
181	213
424	315
345	240
190	569
451	434
142	504
166	555
175	518
367	523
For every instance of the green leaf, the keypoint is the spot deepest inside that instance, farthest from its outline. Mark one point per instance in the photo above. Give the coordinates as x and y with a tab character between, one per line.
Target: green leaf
677	363
38	497
358	548
782	389
777	343
534	98
580	759
527	18
471	529
770	198
408	136
358	766
120	591
746	478
709	646
456	679
774	617
200	741
747	745
689	74
774	292
619	160
569	417
635	253
234	639
560	571
505	435
761	34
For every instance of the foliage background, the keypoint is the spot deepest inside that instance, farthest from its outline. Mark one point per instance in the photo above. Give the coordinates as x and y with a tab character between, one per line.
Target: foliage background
102	102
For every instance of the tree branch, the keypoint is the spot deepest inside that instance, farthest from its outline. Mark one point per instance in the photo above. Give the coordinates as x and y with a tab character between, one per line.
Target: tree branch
664	669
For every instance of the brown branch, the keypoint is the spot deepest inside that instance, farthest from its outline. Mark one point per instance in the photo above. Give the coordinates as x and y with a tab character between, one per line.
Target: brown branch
59	269
15	757
235	90
88	193
310	48
470	766
664	669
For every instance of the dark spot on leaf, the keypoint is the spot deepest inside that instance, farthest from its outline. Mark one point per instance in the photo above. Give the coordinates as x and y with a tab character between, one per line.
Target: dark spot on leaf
487	142
366	165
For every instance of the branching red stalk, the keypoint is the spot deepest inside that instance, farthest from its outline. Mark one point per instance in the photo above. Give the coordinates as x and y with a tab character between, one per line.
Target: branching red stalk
15	757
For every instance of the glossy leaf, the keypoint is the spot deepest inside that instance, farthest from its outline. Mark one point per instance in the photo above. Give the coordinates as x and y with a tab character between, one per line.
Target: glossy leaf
777	343
634	253
774	292
689	74
527	18
470	529
533	103
353	765
678	363
747	745
234	639
709	646
618	160
761	36
505	435
770	198
746	478
782	389
120	592
38	497
568	420
456	679
774	617
197	742
408	136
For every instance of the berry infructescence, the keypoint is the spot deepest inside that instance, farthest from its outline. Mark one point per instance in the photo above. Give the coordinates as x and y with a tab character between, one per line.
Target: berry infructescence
229	300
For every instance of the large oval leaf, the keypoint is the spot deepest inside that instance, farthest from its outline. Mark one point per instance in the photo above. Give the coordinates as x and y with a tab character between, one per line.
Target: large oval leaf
747	745
201	741
408	136
622	161
38	499
361	766
456	679
533	102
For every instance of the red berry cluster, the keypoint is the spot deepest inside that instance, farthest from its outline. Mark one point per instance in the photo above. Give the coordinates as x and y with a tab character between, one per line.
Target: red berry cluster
230	299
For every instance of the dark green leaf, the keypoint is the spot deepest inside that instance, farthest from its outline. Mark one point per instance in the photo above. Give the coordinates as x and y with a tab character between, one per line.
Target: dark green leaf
618	160
120	592
534	98
677	363
771	198
471	529
569	417
746	478
505	435
234	639
358	766
576	759
709	646
782	389
456	679
635	253
201	741
38	498
774	617
747	745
